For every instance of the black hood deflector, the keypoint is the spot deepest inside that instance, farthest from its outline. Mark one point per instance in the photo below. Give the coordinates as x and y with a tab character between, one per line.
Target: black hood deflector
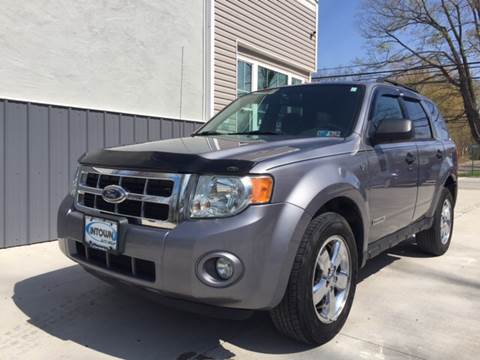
165	162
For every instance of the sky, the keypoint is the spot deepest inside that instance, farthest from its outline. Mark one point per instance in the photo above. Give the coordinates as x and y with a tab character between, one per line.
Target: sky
339	39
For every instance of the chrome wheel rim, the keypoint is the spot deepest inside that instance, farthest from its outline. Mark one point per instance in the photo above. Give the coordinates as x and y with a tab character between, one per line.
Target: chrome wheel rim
331	279
446	221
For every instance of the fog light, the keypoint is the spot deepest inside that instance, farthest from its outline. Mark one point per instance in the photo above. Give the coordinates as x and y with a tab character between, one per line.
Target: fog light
219	269
224	267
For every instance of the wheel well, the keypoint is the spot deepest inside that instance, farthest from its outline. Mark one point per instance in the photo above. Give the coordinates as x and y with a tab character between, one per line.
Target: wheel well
349	210
451	185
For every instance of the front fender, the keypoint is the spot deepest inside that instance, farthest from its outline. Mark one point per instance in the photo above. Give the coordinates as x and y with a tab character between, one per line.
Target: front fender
312	184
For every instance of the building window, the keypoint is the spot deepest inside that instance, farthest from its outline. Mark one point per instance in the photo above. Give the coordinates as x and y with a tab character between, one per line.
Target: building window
244	78
270	79
296	81
253	75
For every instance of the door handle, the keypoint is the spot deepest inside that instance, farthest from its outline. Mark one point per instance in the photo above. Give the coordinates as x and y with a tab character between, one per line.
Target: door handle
410	158
439	154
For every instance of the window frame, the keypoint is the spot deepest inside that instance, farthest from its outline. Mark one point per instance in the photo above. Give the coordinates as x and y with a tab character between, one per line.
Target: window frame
255	64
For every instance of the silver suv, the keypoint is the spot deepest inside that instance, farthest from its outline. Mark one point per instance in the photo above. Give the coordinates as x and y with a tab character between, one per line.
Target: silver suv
272	205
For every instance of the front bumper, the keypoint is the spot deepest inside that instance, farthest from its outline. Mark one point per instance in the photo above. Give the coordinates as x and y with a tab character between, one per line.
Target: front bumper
265	238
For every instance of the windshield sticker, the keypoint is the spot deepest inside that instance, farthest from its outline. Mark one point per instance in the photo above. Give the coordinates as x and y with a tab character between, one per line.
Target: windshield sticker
329	133
353	89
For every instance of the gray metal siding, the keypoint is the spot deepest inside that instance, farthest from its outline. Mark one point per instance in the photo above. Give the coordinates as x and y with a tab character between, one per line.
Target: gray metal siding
281	28
16	159
2	174
39	148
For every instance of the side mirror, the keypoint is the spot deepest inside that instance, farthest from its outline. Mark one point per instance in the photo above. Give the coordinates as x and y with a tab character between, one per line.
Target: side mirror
391	130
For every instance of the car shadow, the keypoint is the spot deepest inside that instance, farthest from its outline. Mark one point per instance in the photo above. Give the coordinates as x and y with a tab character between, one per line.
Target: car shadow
405	249
73	306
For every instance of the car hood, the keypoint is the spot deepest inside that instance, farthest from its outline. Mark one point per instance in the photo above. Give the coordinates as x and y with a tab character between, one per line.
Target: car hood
207	154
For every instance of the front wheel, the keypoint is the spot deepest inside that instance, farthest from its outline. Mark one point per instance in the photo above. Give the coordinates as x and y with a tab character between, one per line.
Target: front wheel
322	283
436	240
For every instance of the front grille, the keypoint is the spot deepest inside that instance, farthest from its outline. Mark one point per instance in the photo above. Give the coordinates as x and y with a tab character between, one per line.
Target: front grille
122	264
151	197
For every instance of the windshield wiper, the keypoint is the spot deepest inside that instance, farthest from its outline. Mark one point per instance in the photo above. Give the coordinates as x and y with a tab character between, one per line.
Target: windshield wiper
208	133
256	132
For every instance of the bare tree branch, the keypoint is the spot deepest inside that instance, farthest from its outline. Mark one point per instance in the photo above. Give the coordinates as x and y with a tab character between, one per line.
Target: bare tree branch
436	33
475	9
425	59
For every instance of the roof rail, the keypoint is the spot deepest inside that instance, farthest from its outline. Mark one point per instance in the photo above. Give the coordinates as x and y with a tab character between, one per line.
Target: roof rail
397	84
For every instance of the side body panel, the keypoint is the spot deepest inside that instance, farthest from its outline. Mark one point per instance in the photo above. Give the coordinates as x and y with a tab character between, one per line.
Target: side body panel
448	165
393	171
392	188
448	170
430	155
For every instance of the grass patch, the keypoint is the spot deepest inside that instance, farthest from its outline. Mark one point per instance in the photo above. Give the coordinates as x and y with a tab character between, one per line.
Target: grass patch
475	173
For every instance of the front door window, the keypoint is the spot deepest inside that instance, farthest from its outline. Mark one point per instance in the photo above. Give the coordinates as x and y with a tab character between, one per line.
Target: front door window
386	108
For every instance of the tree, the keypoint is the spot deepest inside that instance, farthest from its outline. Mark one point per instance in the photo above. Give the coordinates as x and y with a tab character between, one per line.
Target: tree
443	35
451	106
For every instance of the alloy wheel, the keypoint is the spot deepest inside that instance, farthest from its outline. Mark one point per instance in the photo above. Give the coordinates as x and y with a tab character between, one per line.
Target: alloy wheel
331	279
446	221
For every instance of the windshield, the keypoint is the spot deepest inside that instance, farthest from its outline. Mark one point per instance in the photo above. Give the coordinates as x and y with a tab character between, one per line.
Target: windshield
303	111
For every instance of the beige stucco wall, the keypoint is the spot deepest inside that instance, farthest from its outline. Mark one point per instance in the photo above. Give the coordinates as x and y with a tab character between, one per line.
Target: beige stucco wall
121	55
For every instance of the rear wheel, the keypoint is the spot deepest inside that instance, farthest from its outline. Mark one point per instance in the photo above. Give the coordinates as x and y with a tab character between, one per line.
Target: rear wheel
322	283
436	240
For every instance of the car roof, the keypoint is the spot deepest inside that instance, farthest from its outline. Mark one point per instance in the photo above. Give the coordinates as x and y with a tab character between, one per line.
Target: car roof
369	84
406	90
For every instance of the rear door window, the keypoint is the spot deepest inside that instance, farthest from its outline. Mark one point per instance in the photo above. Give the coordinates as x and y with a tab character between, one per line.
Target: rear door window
419	119
438	121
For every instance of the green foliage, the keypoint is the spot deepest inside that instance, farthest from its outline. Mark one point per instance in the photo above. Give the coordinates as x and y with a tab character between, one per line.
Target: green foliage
475	173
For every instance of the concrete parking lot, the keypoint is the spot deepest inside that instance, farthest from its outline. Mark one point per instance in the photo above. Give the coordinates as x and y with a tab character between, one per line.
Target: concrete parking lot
407	306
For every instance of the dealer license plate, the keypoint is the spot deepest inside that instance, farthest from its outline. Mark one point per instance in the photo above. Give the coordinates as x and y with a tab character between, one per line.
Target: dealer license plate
101	233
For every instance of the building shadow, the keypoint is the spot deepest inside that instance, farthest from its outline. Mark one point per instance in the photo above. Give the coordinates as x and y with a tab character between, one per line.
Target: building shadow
74	306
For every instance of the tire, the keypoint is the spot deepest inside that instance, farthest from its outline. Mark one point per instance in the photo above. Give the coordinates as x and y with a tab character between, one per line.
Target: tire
296	316
432	241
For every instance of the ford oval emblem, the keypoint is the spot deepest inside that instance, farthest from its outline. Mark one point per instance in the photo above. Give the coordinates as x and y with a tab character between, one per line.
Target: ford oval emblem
114	194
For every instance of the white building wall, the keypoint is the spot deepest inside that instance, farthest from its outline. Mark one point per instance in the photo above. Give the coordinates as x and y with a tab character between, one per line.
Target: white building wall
120	55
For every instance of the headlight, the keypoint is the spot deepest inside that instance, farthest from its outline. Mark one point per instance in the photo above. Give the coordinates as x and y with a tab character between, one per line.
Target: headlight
221	196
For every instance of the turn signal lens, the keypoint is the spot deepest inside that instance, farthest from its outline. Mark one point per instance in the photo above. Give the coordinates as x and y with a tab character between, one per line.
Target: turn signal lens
262	187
